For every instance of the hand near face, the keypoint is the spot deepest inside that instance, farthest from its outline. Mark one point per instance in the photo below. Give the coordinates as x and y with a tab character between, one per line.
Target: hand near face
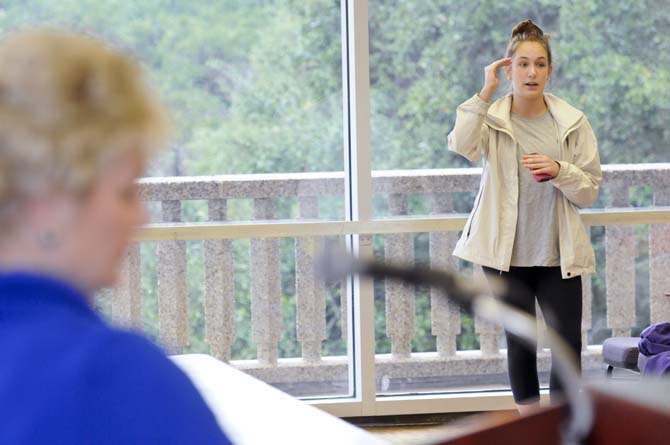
540	164
491	80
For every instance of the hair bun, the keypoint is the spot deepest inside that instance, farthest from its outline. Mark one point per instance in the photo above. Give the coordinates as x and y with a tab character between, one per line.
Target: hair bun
528	28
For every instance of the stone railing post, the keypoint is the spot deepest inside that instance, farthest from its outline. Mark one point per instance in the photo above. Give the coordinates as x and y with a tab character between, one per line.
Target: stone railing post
400	303
620	268
488	332
344	296
445	315
310	291
127	301
659	261
219	288
172	289
344	308
266	316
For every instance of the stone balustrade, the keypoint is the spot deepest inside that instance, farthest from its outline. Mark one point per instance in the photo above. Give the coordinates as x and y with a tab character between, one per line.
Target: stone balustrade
442	187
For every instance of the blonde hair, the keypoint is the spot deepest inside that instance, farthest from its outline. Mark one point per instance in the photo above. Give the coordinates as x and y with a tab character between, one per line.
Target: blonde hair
68	105
527	31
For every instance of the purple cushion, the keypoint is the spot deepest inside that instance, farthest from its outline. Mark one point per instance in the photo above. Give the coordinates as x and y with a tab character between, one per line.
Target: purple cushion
641	361
655	339
658	364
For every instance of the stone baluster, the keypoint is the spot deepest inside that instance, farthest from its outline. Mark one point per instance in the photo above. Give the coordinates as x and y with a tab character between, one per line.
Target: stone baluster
659	262
488	332
266	316
445	315
344	309
400	303
620	268
310	291
127	300
219	288
172	289
344	297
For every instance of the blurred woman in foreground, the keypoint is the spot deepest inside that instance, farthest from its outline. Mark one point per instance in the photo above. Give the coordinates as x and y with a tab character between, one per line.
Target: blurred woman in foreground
77	127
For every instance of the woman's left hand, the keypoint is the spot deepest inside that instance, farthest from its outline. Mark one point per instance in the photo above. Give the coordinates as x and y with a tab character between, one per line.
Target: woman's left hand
539	164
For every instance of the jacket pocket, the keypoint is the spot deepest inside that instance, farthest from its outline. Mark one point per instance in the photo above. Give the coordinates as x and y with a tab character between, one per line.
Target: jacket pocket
473	214
582	250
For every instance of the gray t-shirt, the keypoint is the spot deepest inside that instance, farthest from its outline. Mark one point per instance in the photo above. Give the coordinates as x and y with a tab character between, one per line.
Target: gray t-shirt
536	239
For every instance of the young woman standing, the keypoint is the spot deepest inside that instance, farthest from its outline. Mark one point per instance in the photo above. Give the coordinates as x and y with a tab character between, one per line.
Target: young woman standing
541	164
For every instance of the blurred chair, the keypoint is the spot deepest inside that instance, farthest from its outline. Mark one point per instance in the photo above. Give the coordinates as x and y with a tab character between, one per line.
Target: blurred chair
623	352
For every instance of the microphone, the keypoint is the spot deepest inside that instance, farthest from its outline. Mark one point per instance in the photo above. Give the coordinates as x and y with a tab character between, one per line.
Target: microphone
476	297
338	264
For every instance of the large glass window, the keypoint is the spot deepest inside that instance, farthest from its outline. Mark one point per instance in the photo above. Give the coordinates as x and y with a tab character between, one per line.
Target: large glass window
255	91
427	57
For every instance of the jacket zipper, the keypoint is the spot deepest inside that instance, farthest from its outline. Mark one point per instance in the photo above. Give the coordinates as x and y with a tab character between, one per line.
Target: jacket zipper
570	130
481	190
474	212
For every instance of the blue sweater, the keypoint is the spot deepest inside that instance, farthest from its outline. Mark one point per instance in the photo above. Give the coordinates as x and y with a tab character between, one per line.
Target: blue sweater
67	377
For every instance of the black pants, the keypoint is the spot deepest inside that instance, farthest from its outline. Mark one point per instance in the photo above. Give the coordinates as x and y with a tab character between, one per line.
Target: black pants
561	304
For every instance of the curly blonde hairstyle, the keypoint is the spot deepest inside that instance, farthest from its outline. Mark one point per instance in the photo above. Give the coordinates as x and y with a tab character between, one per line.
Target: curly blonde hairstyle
68	105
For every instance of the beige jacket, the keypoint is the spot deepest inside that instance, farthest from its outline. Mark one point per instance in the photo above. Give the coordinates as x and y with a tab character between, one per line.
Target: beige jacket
486	131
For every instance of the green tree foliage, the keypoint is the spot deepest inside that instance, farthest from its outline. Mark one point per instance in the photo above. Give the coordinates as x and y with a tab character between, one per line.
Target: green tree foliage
614	63
611	61
255	86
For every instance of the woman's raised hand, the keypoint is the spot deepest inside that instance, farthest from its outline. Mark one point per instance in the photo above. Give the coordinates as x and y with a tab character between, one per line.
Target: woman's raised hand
491	80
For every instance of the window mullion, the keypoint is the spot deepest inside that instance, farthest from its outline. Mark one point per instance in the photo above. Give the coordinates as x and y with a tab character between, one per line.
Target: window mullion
358	192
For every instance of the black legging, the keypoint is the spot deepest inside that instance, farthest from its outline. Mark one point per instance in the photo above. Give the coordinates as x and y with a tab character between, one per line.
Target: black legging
561	303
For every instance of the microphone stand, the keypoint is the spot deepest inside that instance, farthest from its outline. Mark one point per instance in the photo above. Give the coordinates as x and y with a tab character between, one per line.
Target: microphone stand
475	297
